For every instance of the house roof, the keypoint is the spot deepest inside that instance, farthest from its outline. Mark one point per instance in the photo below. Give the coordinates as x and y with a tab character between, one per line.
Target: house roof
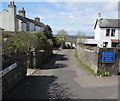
25	20
108	23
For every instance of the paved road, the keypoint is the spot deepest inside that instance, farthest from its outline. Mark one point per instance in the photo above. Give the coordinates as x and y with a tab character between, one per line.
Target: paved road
63	78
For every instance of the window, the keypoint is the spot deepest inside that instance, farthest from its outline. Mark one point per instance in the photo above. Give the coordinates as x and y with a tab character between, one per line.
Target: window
27	26
113	32
115	44
105	44
107	32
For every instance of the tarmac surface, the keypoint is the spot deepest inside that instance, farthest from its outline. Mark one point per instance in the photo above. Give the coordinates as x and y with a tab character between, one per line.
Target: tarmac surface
63	78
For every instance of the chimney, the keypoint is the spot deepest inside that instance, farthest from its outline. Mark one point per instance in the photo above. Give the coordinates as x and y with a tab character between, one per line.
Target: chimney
11	4
37	19
99	16
12	16
22	12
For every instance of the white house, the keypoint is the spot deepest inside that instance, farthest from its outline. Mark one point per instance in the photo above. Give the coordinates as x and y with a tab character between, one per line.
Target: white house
107	33
11	21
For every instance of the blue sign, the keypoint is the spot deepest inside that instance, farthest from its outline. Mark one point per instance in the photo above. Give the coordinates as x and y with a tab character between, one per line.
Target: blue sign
108	57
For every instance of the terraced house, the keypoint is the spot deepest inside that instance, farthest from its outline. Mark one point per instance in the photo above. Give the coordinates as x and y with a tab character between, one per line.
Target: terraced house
11	21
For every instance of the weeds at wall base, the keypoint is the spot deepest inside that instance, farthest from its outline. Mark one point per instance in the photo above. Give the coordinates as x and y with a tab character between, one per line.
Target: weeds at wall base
84	66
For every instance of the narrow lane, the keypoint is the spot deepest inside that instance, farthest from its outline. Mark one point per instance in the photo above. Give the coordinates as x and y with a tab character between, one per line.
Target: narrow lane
63	78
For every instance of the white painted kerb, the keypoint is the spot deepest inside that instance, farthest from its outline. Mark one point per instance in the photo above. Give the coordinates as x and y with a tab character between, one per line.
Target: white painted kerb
8	69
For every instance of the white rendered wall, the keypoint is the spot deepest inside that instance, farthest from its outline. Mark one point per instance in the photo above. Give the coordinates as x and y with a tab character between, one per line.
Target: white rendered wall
4	20
31	26
12	20
37	29
19	25
97	35
24	26
41	29
97	32
101	36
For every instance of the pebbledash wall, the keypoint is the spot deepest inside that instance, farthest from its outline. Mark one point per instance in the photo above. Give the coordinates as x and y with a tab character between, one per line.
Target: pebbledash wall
93	58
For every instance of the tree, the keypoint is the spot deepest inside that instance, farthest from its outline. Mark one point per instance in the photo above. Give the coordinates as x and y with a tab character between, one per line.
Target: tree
62	34
48	32
81	37
21	41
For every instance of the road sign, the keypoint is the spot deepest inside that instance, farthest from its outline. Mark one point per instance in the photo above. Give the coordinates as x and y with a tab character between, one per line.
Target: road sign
108	57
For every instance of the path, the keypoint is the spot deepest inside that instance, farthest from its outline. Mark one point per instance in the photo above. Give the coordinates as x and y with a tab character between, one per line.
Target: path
63	78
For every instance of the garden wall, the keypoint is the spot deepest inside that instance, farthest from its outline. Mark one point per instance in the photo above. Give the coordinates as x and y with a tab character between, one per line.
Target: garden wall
93	58
89	57
39	56
112	67
10	79
23	61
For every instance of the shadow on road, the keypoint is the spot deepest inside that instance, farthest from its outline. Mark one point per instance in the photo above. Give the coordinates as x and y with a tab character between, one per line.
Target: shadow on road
61	57
38	87
33	87
53	64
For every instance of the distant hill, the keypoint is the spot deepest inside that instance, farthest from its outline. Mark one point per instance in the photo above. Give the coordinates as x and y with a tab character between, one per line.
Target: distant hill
73	38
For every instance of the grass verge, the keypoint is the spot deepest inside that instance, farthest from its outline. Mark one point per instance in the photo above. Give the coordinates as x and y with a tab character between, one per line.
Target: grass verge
84	66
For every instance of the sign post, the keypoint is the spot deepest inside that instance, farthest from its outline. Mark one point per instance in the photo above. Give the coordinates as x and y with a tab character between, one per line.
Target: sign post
108	57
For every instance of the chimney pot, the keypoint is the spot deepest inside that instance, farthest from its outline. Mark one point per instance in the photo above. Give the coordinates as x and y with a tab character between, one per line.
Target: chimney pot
22	12
37	19
99	15
12	2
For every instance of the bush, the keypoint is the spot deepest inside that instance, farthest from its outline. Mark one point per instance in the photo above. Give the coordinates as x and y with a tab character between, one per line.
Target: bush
41	36
57	42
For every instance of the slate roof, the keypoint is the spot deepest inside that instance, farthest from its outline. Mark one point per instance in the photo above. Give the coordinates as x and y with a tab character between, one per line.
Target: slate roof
25	20
108	23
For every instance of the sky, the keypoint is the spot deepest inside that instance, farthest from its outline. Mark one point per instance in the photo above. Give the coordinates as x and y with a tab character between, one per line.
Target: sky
70	16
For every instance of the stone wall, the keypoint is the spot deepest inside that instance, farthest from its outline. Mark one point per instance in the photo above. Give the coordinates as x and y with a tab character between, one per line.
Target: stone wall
112	67
93	58
39	56
1	31
14	76
10	79
89	57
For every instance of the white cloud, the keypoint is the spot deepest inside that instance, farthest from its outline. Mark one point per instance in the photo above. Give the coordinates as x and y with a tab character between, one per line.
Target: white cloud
31	15
75	16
